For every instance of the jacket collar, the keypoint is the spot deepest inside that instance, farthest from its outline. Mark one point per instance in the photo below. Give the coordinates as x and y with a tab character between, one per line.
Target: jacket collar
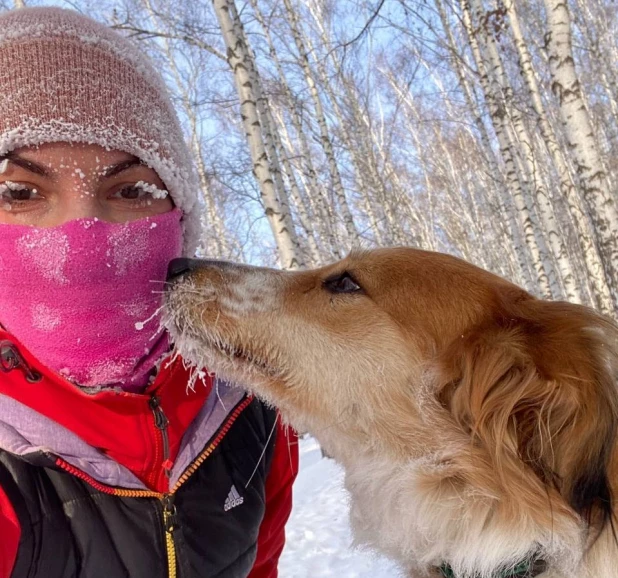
110	434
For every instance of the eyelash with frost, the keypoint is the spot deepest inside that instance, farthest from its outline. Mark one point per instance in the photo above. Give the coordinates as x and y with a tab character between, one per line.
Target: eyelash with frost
11	186
155	191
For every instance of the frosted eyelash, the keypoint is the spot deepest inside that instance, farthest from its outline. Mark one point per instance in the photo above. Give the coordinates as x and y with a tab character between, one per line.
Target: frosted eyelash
155	191
11	186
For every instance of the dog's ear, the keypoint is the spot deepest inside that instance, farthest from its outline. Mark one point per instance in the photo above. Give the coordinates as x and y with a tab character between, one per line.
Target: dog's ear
535	383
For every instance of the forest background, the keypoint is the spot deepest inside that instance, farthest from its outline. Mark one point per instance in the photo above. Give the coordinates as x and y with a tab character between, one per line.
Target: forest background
482	128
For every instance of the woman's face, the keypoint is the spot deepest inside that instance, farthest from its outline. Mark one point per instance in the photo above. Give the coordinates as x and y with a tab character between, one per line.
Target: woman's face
54	183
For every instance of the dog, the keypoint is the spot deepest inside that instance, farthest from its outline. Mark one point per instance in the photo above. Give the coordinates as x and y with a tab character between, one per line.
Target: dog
475	423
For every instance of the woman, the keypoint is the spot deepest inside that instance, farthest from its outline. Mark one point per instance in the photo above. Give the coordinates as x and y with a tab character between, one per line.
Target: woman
115	459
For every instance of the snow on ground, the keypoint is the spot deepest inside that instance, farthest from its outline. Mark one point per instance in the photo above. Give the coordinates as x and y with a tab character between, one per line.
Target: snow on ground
319	540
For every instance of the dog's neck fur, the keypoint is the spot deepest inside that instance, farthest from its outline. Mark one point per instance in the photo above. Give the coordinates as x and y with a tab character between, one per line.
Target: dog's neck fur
440	521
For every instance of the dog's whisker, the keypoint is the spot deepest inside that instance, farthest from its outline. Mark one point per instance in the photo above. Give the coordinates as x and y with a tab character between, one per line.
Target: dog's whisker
219	398
476	424
266	445
140	324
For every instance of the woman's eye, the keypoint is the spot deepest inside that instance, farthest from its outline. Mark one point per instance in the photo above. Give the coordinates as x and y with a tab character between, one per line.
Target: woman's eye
140	190
10	191
130	193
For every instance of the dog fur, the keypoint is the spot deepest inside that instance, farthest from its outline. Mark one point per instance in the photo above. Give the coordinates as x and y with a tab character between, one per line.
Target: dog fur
475	423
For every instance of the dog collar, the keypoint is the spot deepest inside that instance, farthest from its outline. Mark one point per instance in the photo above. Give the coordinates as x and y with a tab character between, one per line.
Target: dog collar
526	569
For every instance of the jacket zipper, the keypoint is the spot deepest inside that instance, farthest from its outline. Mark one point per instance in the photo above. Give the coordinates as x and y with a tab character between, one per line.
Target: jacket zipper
162	423
169	509
167	499
170	523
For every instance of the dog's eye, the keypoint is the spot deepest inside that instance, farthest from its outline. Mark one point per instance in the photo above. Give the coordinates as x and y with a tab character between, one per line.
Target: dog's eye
343	283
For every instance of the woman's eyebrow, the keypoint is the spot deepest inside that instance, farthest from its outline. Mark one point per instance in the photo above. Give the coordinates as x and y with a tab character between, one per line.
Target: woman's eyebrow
43	171
27	165
121	166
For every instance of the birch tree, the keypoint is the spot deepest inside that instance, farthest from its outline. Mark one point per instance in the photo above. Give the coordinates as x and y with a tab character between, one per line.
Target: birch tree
594	265
498	115
493	164
240	62
581	139
308	172
348	218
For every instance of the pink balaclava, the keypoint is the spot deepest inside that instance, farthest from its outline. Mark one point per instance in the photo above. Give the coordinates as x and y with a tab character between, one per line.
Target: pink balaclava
85	297
77	296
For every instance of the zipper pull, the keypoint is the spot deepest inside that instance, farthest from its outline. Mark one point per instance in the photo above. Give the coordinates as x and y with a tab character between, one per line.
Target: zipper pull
11	359
162	423
169	513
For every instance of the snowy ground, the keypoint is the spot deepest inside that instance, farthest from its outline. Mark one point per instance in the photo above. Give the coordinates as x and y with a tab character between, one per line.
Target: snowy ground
319	540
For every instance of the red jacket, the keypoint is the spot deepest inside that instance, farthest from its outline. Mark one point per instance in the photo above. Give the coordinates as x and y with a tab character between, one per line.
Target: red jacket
121	426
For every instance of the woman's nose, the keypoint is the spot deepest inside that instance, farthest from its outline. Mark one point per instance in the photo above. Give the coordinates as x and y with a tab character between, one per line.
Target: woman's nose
81	204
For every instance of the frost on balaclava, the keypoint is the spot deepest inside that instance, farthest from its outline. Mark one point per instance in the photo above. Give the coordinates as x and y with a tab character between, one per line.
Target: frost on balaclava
67	78
85	297
77	296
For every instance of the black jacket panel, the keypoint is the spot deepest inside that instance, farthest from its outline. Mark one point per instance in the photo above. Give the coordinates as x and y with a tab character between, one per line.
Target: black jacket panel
71	529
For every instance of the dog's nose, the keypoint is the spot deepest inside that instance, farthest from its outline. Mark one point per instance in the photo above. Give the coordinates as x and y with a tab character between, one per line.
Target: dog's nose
180	266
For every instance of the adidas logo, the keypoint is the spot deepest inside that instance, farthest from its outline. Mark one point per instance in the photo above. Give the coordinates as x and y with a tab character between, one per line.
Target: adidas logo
233	499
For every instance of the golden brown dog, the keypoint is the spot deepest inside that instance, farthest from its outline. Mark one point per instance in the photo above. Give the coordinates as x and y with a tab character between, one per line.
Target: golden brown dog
476	424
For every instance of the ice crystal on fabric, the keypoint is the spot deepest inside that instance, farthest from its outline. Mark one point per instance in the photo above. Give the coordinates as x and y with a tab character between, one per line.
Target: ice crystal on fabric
96	88
45	318
47	251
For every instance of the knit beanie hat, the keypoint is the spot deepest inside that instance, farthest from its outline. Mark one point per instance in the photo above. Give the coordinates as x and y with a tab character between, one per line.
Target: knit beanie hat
67	78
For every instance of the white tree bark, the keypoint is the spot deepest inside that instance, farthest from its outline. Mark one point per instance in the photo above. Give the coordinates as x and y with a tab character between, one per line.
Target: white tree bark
533	180
315	190
320	117
602	57
215	239
583	147
304	216
592	259
242	66
510	228
536	197
269	133
324	224
513	174
358	137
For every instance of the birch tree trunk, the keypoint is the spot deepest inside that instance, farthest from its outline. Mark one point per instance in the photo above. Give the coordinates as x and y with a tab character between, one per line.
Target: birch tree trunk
239	59
325	138
602	57
357	136
499	117
529	174
324	221
511	228
592	259
303	215
314	189
583	147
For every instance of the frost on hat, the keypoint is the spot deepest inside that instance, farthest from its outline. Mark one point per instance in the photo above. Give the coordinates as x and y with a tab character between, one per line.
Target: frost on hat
67	78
